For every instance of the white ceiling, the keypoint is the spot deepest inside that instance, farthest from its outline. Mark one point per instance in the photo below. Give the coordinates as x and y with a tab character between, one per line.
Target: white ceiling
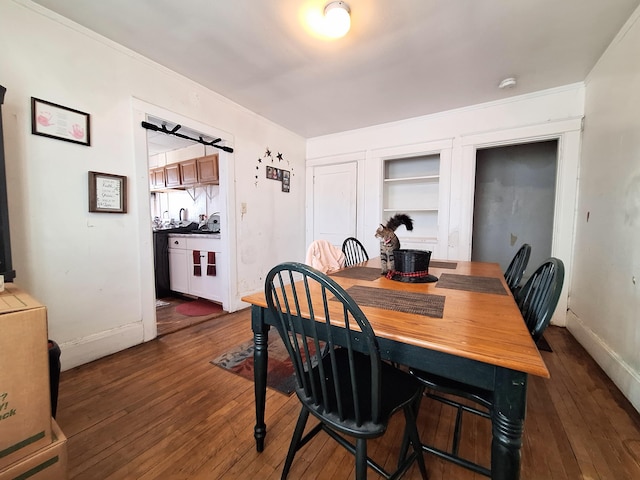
401	59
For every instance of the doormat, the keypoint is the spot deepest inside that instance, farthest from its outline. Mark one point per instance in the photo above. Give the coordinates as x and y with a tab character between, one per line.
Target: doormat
280	376
198	308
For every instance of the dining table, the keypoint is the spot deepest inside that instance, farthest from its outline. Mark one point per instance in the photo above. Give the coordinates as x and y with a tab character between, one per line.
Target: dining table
465	326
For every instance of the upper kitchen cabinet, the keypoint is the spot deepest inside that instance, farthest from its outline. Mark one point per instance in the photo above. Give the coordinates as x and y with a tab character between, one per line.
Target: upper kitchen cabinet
189	172
172	175
208	169
156	177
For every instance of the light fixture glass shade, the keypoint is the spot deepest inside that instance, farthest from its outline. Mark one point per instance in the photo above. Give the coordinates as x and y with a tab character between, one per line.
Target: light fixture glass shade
507	83
337	19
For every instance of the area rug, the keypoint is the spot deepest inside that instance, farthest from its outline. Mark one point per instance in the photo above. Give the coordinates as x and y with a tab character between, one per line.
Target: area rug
198	308
280	376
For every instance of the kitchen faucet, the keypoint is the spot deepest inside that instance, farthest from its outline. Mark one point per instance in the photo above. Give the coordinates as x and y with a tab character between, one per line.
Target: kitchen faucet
180	214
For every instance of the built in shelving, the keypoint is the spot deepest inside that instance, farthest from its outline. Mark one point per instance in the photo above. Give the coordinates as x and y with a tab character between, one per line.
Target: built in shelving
412	186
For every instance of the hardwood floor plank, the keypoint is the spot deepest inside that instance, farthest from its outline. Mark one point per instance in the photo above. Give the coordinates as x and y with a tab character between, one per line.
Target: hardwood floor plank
161	410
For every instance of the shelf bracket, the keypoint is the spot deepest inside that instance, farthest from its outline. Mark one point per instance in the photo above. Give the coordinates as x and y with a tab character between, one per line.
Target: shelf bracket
193	195
207	189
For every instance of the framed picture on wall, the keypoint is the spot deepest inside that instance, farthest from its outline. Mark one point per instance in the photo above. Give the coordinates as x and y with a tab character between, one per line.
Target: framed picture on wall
62	123
107	193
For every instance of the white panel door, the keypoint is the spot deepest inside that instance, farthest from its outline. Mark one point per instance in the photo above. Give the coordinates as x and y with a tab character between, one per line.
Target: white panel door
334	202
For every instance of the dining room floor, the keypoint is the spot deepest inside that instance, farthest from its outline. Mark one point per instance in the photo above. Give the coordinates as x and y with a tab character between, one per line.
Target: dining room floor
162	410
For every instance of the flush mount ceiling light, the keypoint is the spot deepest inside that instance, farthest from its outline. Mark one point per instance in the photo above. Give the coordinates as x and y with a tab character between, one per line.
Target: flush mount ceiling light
337	19
507	83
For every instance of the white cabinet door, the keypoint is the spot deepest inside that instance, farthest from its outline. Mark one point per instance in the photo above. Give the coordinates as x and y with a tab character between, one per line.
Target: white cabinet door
178	274
207	284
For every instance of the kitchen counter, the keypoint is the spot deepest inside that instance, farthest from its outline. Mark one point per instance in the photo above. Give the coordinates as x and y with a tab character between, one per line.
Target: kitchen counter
195	235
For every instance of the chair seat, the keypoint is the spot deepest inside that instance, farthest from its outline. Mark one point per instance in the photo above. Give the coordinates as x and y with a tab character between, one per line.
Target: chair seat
398	389
452	387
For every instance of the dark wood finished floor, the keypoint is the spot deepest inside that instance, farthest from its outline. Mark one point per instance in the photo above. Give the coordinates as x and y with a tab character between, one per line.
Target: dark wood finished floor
161	411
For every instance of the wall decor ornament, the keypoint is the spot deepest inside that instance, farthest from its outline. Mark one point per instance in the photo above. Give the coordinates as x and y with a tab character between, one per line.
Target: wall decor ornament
274	173
62	123
107	193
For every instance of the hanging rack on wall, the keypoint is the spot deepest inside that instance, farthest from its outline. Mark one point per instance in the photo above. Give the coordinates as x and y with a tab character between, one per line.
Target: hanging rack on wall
174	131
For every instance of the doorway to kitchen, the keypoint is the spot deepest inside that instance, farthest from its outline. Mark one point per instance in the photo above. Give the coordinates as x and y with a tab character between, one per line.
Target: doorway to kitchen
185	292
214	201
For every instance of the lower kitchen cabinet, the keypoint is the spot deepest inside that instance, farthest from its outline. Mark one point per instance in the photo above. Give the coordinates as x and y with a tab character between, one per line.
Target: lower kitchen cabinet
194	266
178	272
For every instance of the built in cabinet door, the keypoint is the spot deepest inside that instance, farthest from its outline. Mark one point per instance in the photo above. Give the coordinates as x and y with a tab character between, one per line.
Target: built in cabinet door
334	202
178	273
205	282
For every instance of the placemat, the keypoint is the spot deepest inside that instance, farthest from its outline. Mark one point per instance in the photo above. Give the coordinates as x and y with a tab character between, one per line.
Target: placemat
398	301
470	283
358	273
440	264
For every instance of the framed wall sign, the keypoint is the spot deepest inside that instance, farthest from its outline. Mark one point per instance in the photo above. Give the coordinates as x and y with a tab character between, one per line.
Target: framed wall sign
107	193
55	121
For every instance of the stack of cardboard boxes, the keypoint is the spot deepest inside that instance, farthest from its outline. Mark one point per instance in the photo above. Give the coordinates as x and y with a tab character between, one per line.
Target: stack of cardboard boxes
31	443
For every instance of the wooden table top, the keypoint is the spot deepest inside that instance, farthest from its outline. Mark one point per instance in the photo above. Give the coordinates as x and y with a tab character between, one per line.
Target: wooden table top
486	327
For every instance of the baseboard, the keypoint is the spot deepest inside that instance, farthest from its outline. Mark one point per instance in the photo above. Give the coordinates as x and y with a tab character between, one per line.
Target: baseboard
87	349
620	372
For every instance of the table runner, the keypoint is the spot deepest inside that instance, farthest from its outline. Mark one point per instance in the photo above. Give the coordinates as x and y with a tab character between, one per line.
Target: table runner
398	301
358	273
471	283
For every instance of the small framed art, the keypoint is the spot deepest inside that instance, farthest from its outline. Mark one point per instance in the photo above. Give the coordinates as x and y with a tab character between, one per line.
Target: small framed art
286	178
62	123
107	193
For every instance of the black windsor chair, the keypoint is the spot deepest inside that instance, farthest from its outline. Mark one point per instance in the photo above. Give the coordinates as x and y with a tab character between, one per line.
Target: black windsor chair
537	301
348	388
354	252
517	266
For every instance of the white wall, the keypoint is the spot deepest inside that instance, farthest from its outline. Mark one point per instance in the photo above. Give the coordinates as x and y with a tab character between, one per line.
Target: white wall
457	134
605	298
94	271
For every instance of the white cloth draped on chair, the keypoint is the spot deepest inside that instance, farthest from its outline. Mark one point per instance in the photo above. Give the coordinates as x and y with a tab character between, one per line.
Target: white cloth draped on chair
324	256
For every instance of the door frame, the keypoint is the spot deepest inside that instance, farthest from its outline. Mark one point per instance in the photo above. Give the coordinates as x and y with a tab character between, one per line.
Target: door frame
568	133
356	157
141	191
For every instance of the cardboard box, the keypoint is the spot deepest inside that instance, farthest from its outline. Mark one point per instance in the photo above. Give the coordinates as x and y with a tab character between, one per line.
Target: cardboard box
48	463
25	401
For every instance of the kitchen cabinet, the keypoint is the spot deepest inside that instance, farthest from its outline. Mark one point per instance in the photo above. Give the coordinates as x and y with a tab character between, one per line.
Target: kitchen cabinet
172	175
156	177
178	272
188	172
194	266
208	169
